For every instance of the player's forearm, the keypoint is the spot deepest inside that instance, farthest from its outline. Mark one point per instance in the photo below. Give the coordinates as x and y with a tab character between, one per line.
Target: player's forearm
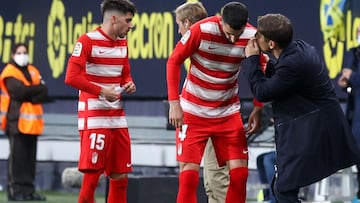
173	81
75	78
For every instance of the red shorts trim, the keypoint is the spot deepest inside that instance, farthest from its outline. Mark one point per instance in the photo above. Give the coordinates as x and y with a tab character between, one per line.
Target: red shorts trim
227	134
105	150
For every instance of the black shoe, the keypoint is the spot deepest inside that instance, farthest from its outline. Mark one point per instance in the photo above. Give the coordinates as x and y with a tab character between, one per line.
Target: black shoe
31	197
37	197
19	197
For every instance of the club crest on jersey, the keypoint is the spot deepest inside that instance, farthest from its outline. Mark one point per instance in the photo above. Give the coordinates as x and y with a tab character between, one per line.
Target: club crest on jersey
94	157
185	37
77	49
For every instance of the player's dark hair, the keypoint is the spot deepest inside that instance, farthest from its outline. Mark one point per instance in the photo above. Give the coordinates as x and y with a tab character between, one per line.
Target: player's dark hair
235	14
124	6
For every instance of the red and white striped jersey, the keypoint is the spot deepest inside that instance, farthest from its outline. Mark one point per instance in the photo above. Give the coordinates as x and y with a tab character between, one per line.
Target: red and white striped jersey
104	63
211	87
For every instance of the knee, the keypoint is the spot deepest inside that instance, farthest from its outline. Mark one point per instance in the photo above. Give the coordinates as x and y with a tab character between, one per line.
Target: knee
189	178
118	176
189	166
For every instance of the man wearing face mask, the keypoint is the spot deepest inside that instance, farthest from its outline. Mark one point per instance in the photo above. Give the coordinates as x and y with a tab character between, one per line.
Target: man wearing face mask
23	91
349	80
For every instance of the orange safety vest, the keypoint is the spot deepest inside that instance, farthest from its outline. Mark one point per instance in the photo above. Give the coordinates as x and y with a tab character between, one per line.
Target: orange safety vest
30	118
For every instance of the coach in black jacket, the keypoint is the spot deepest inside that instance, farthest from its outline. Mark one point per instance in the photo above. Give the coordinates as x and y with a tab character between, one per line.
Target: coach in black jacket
313	139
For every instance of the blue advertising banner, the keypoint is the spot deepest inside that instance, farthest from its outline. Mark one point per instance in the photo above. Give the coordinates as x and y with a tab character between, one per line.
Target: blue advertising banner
51	27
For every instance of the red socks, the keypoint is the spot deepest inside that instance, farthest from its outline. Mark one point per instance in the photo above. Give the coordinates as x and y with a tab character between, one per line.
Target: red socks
237	187
88	187
117	190
188	182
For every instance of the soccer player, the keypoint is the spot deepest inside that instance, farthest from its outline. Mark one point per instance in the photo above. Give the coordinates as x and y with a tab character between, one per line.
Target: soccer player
209	104
99	68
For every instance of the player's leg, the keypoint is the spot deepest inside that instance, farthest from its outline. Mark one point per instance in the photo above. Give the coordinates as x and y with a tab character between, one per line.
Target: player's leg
88	187
118	165
230	144
238	176
188	182
91	162
118	188
190	145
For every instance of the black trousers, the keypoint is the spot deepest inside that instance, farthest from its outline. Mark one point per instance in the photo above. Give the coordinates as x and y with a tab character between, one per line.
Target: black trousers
287	196
22	164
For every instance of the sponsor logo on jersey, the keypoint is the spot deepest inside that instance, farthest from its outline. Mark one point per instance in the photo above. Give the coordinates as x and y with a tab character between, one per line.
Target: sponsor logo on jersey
128	165
185	37
77	49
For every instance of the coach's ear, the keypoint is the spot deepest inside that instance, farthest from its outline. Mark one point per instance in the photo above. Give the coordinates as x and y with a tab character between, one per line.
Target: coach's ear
271	44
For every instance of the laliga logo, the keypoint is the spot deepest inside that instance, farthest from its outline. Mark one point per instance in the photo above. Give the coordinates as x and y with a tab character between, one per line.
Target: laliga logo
62	33
56	38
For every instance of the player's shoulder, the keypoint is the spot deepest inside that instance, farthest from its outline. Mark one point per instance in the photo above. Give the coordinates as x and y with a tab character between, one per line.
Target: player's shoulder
94	35
249	31
209	25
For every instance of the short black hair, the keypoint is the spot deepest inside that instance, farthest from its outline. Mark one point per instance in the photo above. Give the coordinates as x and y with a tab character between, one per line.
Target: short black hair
235	14
124	6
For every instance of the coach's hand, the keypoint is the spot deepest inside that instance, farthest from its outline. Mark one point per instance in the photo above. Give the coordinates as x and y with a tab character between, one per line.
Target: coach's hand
252	48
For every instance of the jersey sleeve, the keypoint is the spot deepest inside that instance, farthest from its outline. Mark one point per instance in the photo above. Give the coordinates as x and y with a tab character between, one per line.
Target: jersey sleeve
75	71
126	73
263	63
187	46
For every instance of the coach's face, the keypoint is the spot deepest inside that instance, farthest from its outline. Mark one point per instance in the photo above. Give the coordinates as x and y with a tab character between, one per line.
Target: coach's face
262	42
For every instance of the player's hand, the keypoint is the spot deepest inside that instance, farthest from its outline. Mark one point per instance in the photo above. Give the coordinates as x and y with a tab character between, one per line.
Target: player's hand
252	48
176	115
129	87
109	93
254	122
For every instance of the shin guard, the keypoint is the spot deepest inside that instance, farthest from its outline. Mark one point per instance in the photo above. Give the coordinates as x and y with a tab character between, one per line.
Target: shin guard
237	187
88	187
118	190
188	182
